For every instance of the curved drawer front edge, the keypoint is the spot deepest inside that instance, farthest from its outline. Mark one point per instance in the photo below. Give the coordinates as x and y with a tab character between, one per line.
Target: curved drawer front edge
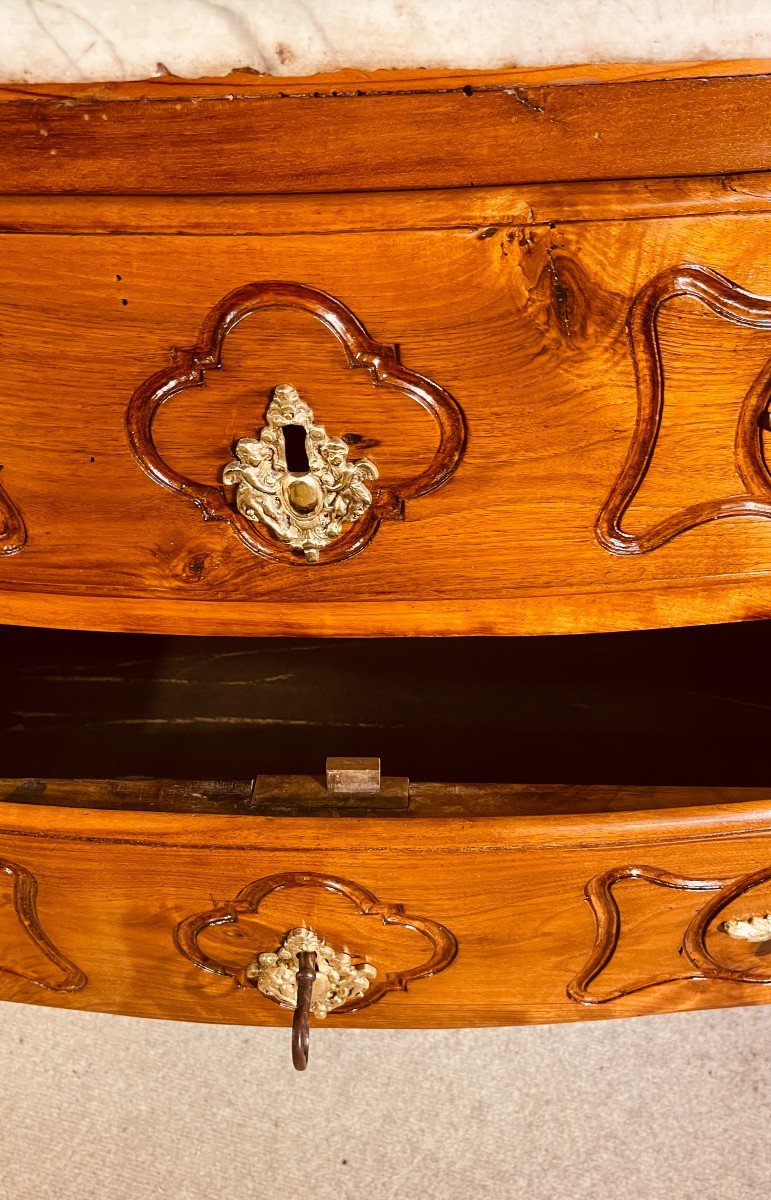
154	907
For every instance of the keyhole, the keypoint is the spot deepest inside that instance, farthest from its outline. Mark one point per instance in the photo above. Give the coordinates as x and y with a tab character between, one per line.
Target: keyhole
295	450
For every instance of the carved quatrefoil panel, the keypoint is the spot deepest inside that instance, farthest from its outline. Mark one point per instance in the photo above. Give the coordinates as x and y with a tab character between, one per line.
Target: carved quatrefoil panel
734	304
20	891
323	506
441	944
700	962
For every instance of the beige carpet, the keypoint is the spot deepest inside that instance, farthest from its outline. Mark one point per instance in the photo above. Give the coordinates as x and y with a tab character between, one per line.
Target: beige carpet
110	1108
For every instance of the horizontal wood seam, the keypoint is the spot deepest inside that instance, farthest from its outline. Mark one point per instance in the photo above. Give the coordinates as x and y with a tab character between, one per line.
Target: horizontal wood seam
520	90
761	207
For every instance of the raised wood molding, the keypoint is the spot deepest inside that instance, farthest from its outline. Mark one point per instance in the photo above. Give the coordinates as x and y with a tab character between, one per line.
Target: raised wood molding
700	964
426	138
188	369
739	598
510	889
25	906
733	816
732	303
519	314
444	946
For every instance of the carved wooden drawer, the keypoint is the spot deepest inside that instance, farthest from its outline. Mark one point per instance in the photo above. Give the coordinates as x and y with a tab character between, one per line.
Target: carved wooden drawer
518	466
419	919
323	386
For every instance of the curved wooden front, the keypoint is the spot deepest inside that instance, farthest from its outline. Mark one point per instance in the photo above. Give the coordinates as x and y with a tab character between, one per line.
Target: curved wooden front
476	921
562	514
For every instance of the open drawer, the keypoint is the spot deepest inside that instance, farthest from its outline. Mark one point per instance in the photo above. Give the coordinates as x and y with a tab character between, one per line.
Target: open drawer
433	917
431	904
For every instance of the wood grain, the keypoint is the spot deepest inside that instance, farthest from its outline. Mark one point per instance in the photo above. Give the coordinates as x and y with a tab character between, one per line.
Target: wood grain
13	962
700	962
113	887
523	326
189	369
477	209
513	299
440	952
732	304
450	136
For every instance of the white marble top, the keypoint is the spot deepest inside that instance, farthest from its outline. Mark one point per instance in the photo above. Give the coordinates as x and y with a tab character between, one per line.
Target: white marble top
91	40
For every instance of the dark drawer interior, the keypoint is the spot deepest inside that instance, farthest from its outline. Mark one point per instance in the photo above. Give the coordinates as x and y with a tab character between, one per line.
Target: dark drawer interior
679	707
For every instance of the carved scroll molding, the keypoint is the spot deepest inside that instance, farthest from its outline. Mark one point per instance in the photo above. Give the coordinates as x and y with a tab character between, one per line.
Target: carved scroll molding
189	368
442	943
701	964
13	531
25	907
731	302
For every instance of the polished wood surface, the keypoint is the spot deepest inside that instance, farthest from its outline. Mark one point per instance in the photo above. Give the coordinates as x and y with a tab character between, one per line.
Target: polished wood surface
453	135
513	303
701	963
440	947
115	888
523	325
477	210
380	360
587	338
731	303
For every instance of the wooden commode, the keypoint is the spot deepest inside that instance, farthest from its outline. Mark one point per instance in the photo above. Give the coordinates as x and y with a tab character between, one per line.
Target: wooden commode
299	372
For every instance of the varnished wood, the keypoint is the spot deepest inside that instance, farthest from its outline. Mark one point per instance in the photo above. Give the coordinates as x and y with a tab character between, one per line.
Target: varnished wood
69	977
481	210
152	896
731	599
114	886
733	304
512	300
456	135
523	326
608	921
385	369
442	945
699	965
